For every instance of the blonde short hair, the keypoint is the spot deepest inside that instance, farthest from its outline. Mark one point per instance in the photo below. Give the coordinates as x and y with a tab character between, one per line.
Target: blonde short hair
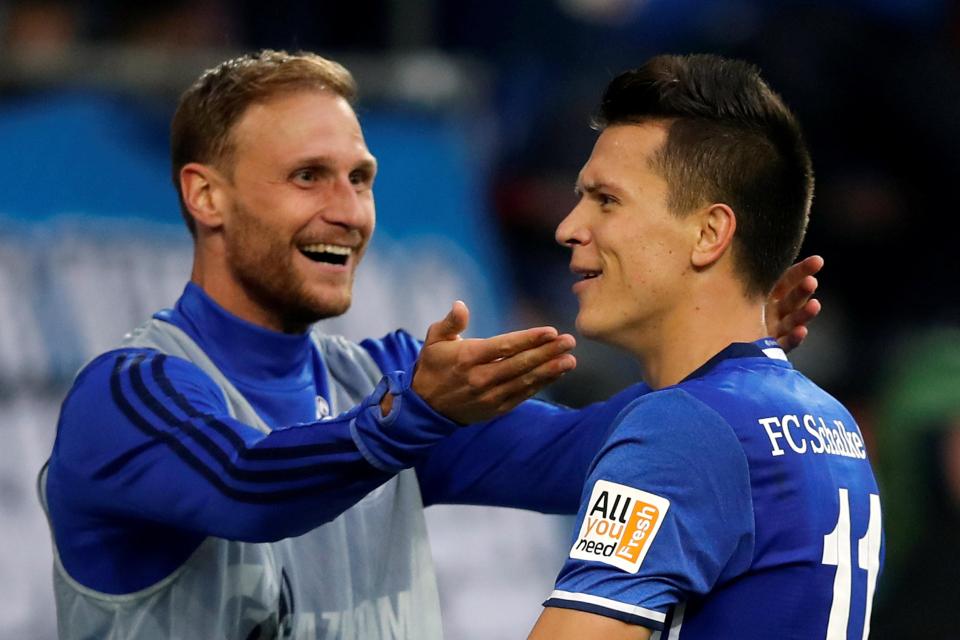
208	110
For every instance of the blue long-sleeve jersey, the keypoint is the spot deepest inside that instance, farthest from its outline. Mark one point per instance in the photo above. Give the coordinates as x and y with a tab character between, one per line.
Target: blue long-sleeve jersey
148	461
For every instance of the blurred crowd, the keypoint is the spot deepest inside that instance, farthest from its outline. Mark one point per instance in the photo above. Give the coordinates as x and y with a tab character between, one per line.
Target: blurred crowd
876	85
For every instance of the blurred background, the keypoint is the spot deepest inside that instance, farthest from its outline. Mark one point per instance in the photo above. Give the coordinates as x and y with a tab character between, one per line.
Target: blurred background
478	113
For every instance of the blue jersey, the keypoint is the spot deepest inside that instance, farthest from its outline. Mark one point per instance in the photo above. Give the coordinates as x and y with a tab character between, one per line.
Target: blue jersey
738	503
148	461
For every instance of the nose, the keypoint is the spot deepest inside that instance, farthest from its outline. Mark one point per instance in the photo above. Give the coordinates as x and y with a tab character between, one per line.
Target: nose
571	231
346	205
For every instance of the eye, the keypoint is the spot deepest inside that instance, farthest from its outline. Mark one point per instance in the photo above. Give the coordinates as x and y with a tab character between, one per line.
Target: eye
361	177
306	176
606	199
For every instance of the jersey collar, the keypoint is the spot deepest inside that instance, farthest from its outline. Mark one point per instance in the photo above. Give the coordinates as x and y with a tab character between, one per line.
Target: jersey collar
764	348
239	347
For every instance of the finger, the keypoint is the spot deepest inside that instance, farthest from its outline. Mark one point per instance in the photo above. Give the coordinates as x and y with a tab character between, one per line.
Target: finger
509	344
793	328
505	369
797	297
791	340
527	386
451	326
794	274
801	317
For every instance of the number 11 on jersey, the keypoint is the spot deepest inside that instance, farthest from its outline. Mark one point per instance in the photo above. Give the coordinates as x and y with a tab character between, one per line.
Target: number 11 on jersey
837	553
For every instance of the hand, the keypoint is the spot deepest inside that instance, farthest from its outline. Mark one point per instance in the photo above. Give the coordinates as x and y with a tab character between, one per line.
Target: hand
471	380
790	306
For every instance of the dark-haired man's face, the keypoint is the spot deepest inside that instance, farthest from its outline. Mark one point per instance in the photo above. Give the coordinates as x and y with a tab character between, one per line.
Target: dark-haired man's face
631	252
301	208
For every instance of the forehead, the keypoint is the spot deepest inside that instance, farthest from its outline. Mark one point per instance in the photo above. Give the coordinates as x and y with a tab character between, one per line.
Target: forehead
299	123
623	153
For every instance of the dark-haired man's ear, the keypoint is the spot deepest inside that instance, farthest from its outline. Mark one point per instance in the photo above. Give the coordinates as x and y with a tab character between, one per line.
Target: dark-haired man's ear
200	186
717	223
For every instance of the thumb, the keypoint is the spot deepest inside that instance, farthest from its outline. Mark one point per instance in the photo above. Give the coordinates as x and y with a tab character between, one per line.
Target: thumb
452	325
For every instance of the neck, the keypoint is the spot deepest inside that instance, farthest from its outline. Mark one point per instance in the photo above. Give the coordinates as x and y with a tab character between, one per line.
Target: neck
695	332
223	288
239	348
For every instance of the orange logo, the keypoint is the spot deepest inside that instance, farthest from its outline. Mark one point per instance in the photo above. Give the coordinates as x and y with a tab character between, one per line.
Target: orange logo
619	525
645	518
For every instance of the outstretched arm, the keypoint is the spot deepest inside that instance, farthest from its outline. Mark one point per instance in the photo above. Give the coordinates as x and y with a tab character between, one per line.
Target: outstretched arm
138	421
138	424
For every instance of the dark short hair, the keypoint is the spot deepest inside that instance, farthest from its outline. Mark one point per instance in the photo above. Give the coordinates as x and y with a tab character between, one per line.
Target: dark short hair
730	140
209	109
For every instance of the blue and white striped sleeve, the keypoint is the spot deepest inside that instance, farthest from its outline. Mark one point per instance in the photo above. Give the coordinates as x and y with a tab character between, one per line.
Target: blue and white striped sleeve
148	436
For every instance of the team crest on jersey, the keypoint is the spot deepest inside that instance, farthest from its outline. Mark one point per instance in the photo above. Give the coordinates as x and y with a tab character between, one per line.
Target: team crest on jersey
619	525
323	408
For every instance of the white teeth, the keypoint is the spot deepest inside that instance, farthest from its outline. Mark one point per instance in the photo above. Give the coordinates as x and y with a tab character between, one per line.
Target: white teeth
327	248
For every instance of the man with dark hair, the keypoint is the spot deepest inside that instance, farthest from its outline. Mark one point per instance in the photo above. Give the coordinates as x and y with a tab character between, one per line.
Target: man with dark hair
734	498
232	472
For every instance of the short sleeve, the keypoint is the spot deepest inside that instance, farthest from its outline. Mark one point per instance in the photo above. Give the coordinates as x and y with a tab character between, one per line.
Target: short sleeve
666	513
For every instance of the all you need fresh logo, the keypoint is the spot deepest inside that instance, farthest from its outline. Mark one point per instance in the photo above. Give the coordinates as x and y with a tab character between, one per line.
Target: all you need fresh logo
619	525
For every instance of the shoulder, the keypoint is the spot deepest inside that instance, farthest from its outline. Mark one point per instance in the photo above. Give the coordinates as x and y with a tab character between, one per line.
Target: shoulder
112	362
116	376
672	479
96	375
673	445
674	420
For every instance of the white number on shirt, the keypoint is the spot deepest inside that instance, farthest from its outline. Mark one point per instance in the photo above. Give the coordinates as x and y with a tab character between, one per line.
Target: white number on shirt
837	553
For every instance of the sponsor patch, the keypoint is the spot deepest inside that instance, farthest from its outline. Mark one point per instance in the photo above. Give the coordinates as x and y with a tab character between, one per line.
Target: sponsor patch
619	525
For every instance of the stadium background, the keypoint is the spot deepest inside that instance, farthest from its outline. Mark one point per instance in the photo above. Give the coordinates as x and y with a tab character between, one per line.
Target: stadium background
478	114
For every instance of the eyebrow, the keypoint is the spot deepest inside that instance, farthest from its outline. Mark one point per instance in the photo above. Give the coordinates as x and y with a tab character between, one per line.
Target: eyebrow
367	164
593	187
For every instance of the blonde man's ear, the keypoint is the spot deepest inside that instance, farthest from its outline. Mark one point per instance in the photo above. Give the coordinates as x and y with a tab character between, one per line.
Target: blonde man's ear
200	186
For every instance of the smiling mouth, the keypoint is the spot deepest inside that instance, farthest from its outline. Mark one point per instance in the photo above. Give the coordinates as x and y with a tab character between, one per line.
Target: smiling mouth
327	253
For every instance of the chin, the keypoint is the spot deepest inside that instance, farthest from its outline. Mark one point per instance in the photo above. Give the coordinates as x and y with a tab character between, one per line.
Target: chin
325	301
586	328
298	315
598	331
323	309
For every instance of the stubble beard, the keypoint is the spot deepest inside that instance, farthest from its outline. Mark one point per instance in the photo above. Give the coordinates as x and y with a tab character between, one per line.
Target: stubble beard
263	264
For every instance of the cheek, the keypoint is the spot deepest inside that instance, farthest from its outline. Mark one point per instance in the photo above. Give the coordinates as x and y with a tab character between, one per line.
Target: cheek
254	237
638	260
370	216
647	268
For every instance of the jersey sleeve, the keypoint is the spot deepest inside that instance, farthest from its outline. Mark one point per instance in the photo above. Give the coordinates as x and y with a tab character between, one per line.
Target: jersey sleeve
665	515
534	457
396	351
148	437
